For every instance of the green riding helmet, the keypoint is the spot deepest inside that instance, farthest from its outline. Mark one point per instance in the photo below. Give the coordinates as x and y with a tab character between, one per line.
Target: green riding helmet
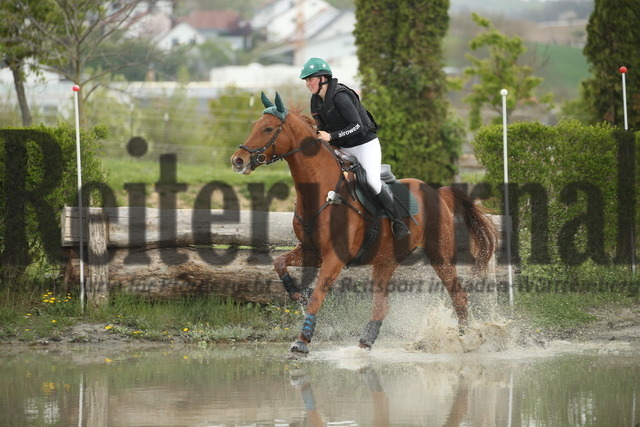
315	67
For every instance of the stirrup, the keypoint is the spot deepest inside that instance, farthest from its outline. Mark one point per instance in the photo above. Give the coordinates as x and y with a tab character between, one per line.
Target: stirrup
399	229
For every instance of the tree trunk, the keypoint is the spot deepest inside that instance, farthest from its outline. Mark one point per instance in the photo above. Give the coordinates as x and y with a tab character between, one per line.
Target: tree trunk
18	79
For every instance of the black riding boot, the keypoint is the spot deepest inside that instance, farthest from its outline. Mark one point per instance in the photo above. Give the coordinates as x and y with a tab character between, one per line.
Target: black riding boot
385	198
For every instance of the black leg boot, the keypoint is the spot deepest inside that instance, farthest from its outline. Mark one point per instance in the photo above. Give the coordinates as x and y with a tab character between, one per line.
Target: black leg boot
399	228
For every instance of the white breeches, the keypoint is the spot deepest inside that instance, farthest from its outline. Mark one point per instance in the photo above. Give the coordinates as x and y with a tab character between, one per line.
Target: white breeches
370	156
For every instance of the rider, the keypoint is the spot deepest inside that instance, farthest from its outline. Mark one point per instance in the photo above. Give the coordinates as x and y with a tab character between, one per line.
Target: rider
344	122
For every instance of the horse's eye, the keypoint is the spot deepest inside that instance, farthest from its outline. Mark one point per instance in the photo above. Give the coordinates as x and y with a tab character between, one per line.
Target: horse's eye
268	129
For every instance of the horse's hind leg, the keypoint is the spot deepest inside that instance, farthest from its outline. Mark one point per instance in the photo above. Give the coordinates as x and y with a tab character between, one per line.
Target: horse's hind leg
381	276
449	276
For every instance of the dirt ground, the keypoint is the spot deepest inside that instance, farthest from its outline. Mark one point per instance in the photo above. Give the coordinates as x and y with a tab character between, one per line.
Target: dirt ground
621	324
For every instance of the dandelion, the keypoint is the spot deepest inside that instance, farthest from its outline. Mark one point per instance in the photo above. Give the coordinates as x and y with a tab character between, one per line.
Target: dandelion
107	360
296	312
137	332
108	327
54	321
185	329
286	310
28	314
185	357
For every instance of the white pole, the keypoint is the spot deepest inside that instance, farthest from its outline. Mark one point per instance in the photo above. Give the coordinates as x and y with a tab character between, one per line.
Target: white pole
81	401
623	71
76	89
504	94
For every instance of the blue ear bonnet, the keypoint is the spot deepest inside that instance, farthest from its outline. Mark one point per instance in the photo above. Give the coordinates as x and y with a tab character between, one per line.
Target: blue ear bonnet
278	110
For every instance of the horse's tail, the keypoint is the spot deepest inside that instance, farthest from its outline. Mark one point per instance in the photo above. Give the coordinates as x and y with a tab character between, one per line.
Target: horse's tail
483	233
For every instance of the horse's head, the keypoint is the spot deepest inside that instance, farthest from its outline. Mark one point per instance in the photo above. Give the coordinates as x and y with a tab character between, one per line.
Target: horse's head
261	146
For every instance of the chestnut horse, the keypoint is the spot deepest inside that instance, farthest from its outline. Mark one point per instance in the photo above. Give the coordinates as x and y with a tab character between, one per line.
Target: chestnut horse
331	235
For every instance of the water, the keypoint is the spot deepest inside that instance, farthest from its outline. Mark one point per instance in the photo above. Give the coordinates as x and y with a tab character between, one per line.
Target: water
560	384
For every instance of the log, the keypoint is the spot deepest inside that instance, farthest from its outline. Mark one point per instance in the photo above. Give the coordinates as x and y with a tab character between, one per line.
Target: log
154	262
150	227
175	272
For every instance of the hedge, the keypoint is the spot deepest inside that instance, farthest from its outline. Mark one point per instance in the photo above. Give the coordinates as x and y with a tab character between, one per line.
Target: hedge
39	177
571	190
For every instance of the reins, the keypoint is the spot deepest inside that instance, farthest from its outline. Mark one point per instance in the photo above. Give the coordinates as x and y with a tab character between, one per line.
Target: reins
257	157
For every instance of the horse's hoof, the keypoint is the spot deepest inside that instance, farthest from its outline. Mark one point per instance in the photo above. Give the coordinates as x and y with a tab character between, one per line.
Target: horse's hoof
299	348
365	345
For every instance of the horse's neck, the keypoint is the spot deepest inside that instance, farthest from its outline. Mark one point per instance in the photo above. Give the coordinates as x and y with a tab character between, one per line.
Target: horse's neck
314	175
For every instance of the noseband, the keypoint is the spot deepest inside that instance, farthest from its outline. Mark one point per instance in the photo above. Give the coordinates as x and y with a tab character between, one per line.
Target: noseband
257	156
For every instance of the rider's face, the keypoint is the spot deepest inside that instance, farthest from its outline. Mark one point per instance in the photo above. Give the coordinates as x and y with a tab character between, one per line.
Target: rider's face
313	83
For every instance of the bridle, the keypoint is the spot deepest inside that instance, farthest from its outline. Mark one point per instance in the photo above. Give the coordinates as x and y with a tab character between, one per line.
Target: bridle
257	156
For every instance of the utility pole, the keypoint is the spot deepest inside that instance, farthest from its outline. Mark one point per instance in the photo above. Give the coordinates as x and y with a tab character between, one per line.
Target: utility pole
299	35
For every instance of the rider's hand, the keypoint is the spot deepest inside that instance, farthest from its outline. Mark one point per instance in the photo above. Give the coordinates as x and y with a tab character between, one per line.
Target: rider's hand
324	136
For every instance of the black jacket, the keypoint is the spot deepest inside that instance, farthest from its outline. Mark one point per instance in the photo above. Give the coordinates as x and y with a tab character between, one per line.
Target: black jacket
343	116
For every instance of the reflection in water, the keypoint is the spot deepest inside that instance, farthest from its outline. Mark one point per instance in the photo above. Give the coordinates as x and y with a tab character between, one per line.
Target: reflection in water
587	385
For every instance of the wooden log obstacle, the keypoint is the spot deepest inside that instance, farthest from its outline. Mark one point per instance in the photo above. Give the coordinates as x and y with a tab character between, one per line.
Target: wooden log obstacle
170	253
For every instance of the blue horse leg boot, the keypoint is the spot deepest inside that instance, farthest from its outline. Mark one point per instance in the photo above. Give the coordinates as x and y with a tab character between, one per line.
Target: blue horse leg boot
370	334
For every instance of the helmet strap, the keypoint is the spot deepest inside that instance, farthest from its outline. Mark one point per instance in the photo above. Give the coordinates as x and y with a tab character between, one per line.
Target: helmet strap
321	83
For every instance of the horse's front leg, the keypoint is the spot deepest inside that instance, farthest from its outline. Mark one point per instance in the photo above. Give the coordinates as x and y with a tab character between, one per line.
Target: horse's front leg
329	271
298	257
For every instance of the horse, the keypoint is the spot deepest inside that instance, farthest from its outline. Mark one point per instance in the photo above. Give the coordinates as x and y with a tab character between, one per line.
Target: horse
331	235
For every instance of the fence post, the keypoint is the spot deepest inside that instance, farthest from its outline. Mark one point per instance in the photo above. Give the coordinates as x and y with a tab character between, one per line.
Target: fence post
98	257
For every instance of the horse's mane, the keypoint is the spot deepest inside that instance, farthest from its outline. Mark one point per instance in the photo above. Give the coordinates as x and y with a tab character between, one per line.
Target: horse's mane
311	124
307	119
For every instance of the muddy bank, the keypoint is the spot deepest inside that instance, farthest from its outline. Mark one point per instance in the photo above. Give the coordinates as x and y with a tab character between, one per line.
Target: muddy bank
611	324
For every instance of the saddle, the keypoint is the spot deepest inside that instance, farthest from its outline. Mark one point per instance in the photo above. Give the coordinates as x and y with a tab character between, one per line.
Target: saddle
406	203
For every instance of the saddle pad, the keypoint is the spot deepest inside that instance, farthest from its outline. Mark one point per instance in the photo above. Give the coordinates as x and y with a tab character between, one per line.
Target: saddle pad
405	201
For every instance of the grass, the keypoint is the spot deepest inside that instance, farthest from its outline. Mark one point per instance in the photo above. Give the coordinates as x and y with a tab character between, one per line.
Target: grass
124	170
47	315
567	310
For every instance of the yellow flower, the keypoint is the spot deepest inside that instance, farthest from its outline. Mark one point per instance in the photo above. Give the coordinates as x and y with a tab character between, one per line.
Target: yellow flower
185	329
54	321
286	310
28	314
185	357
136	332
107	360
108	327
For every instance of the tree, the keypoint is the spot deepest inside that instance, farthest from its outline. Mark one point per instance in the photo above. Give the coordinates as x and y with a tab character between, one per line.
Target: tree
15	52
613	37
72	34
500	70
399	45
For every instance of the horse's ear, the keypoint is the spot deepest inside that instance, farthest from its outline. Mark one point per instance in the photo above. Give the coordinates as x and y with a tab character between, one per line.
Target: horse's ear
265	100
279	104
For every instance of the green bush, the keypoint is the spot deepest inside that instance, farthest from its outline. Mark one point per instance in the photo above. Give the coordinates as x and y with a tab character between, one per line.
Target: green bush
571	195
39	175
